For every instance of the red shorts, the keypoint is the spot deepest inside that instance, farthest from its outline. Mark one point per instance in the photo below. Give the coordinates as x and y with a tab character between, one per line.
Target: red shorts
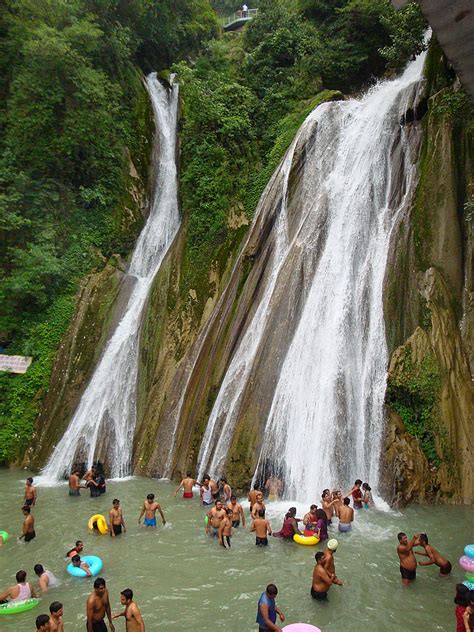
187	494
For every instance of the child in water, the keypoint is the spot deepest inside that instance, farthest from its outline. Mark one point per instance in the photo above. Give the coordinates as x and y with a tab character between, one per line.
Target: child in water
367	499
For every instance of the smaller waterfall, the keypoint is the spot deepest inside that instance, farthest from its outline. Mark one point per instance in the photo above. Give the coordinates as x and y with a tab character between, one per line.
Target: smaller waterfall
106	415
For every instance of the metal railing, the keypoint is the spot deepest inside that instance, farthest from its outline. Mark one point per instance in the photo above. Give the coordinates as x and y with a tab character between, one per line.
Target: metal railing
239	15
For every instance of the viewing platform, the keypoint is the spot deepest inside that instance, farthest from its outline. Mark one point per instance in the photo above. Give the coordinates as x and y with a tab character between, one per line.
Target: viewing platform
238	19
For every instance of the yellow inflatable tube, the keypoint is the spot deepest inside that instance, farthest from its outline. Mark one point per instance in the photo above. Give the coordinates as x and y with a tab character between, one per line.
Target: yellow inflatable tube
101	523
310	540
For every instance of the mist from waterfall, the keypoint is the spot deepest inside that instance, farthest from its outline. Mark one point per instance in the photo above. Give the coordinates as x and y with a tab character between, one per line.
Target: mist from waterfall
106	415
326	420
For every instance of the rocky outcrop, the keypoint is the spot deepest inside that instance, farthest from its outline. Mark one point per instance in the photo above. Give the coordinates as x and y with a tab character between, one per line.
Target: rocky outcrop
429	316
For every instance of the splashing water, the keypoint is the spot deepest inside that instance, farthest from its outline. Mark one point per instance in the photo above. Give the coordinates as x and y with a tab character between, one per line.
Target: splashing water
106	416
325	422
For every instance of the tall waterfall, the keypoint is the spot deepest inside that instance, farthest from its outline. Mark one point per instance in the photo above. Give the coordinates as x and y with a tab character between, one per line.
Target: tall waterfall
325	422
106	415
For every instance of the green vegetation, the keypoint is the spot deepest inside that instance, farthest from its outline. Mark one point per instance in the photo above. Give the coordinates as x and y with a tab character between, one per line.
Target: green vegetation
414	395
73	111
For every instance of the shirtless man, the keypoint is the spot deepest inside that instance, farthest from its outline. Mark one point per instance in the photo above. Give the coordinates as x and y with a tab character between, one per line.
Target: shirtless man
328	560
28	529
46	578
116	521
30	493
262	529
76	550
56	612
206	493
435	556
214	519
225	490
237	512
187	484
75	484
98	605
345	513
42	623
150	507
78	563
225	528
133	617
257	505
20	591
322	580
328	504
407	557
273	487
252	496
214	488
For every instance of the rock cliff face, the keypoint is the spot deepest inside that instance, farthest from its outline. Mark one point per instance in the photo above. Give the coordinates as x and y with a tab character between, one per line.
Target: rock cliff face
429	316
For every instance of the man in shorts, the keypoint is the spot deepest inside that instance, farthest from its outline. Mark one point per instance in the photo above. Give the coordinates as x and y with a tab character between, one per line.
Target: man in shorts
262	529
28	532
30	493
116	521
407	557
434	556
187	484
214	519
98	605
237	512
150	507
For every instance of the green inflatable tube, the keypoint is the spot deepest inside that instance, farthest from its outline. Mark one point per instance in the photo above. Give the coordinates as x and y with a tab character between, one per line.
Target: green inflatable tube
206	520
14	607
4	535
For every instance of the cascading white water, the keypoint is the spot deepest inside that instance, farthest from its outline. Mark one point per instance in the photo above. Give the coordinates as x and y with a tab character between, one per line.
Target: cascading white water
107	410
326	419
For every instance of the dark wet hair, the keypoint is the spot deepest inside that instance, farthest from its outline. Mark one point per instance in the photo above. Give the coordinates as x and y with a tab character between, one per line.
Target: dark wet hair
115	500
313	507
26	509
291	512
321	515
150	497
20	576
462	595
99	582
38	568
233	497
127	593
400	535
78	542
187	474
229	511
261	513
358	481
423	538
76	558
347	500
43	619
471	596
319	555
223	479
272	590
325	491
29	479
367	487
55	606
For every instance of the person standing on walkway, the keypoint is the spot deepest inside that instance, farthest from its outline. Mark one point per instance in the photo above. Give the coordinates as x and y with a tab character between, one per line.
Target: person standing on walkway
267	610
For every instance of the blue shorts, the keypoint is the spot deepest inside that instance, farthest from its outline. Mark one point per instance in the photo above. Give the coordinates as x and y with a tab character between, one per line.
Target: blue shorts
150	522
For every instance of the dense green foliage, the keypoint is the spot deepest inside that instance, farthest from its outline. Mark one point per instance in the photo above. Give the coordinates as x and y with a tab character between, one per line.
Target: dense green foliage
73	110
415	396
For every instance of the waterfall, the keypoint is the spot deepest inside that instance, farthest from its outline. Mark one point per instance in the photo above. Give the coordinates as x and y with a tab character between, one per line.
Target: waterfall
106	415
324	425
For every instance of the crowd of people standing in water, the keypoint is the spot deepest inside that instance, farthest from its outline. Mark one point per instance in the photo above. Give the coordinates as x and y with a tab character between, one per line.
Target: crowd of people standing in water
224	514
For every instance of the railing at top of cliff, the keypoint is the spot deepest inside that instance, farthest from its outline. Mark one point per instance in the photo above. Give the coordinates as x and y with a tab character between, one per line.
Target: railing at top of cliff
238	19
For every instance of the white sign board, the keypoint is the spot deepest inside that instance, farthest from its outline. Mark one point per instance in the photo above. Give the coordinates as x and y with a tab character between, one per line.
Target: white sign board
15	364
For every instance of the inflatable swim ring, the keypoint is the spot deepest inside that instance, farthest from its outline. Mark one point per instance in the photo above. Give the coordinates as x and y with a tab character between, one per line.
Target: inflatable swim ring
469	577
14	607
306	540
95	566
4	535
101	523
467	563
468	550
470	585
206	520
300	627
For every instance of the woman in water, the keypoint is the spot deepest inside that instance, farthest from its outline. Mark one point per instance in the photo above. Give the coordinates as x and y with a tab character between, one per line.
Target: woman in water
321	524
290	525
462	601
367	499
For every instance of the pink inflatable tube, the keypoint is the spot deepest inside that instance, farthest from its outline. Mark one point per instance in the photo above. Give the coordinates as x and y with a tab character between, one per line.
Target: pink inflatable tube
300	627
467	563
